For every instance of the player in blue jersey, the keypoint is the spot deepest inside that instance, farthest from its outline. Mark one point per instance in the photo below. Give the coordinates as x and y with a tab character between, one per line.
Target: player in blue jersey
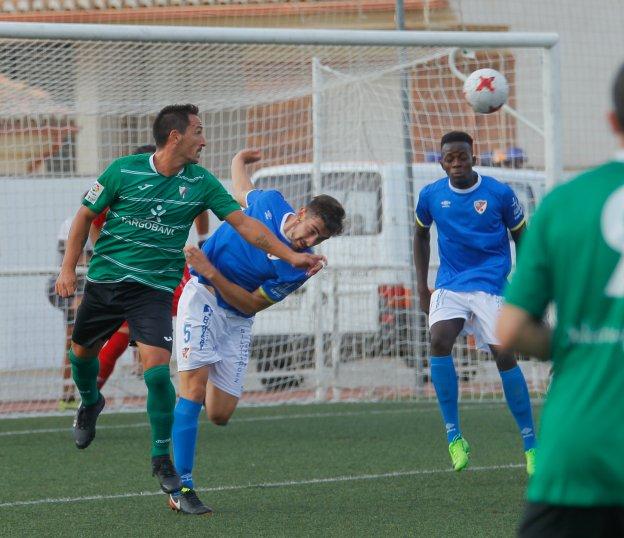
232	282
472	214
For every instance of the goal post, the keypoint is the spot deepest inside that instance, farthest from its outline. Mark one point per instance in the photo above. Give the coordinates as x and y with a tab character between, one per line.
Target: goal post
332	112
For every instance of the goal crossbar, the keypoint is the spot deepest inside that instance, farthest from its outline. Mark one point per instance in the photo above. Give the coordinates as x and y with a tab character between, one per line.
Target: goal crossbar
273	36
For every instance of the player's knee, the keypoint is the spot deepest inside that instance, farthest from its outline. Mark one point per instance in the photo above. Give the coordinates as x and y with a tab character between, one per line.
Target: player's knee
219	418
441	344
505	361
195	394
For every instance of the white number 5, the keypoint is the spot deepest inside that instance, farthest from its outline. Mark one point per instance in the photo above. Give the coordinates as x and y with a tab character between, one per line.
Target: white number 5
612	223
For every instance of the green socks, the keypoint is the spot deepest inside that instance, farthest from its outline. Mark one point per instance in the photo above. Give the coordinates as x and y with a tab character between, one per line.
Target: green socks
84	372
160	404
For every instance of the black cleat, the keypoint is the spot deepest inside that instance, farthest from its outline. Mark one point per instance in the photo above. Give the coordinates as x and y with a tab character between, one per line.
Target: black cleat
186	501
163	469
84	423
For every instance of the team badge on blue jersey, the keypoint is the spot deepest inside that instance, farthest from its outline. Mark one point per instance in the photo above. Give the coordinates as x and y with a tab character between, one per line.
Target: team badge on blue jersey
472	227
480	206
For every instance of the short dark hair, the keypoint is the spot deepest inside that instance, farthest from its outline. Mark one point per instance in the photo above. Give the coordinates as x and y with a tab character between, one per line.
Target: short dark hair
618	96
172	117
147	148
456	136
330	212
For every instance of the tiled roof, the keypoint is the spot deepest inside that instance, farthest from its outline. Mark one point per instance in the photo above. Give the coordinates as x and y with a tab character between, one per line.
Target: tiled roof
235	6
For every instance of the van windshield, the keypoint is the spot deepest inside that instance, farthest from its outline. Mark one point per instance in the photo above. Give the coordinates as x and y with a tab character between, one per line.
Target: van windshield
358	192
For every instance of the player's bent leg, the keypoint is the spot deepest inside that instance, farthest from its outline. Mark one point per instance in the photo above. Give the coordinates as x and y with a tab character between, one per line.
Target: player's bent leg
84	371
518	401
160	404
220	405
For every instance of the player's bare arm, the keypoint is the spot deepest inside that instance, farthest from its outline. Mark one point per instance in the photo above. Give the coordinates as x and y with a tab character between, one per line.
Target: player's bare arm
78	234
244	301
422	252
241	183
202	226
517	330
257	234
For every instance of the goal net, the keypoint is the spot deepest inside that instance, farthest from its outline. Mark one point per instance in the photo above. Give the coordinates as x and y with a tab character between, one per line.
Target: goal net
361	123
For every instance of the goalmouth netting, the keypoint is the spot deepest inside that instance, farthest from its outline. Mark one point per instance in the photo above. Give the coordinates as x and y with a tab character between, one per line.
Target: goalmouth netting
358	115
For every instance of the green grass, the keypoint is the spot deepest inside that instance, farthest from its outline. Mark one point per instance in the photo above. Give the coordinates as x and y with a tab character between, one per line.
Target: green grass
322	470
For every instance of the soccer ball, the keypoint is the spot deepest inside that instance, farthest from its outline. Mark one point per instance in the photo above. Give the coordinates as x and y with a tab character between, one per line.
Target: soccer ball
486	90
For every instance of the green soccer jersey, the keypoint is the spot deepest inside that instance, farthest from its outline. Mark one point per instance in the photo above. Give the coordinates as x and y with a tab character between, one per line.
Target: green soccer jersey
572	254
149	218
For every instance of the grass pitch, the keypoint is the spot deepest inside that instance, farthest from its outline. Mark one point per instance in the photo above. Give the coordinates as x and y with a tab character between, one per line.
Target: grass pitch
320	470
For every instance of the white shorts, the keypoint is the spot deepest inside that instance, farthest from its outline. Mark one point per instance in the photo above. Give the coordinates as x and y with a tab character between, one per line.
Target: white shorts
479	309
208	335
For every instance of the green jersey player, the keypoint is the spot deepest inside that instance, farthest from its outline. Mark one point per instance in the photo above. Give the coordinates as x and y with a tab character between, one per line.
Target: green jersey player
138	261
572	257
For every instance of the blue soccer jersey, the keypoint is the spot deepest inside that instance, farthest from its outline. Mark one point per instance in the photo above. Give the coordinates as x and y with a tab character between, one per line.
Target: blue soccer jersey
248	266
472	232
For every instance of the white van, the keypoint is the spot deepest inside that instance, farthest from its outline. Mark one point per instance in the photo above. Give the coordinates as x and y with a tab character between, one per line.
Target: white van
368	284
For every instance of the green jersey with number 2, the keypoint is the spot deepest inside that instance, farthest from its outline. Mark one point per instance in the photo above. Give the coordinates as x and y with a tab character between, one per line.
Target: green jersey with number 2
572	254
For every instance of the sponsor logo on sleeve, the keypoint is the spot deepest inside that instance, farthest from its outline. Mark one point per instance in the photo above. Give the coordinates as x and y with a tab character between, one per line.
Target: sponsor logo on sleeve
94	192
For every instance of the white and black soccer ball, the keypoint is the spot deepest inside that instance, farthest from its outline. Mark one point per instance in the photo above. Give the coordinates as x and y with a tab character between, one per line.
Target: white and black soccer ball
486	90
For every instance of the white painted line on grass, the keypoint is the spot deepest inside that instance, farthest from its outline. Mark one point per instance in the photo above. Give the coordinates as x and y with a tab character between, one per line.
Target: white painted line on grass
288	483
253	419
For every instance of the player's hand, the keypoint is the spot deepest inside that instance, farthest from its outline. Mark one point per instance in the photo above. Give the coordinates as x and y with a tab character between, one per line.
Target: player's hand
249	156
66	283
199	262
312	263
424	298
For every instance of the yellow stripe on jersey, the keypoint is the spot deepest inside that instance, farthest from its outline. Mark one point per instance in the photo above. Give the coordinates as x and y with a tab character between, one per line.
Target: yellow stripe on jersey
264	294
421	224
523	221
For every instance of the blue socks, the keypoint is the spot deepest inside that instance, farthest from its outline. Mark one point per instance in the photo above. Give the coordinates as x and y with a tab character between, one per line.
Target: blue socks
444	379
519	402
185	425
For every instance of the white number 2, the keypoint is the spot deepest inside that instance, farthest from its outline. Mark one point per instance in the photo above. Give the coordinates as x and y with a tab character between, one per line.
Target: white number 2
612	223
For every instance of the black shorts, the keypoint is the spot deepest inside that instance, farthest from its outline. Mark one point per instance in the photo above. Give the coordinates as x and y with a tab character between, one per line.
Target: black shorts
552	521
105	307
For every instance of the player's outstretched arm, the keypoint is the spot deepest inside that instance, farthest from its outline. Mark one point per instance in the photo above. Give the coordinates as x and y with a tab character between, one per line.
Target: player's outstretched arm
517	330
78	234
241	183
244	301
422	253
258	235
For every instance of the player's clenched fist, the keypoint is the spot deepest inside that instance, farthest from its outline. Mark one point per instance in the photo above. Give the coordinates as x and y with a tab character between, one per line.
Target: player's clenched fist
66	283
424	298
312	263
196	259
248	156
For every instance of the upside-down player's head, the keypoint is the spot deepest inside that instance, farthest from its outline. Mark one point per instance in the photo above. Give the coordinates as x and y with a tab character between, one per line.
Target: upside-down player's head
616	116
319	220
178	127
457	158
